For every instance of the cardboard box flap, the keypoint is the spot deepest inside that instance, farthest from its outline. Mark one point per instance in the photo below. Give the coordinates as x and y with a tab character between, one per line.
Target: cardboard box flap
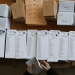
49	8
18	10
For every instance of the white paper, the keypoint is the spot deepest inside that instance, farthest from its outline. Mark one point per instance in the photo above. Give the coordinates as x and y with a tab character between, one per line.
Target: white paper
4	23
20	45
63	48
71	53
37	68
55	31
65	18
42	45
53	47
2	44
4	10
31	44
66	6
74	18
10	44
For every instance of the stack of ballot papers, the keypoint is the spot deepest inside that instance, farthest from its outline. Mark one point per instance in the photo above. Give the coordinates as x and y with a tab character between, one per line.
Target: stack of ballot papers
20	45
42	45
63	47
2	43
31	44
71	53
10	44
65	15
53	45
4	23
5	11
37	67
15	44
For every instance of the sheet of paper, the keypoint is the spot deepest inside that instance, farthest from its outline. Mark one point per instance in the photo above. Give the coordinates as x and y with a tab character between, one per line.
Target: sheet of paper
4	23
20	45
71	53
10	44
42	45
53	39
31	44
66	6
2	44
63	48
65	18
37	68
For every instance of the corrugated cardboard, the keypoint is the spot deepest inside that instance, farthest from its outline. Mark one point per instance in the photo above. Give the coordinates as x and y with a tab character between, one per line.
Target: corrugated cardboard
34	13
50	9
18	11
20	1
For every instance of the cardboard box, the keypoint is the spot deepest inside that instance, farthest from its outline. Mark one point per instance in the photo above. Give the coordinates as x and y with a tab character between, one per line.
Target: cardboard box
50	9
18	11
66	6
34	13
20	1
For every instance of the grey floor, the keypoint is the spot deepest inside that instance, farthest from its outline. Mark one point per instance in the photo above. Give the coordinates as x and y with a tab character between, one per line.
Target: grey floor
9	70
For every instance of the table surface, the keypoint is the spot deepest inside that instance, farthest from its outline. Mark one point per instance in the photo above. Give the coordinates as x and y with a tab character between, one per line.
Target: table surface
21	26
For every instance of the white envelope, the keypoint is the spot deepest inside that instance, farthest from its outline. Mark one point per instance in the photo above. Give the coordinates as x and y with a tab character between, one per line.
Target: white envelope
65	18
37	68
5	10
66	6
4	23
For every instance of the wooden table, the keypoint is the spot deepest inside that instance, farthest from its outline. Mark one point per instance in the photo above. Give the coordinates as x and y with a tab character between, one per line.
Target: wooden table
21	26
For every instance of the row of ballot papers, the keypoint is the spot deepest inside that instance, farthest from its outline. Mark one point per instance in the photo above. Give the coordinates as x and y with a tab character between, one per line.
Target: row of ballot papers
50	45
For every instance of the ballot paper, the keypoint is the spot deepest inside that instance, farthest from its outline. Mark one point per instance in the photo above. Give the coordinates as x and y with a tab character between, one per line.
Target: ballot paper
66	6
4	23
5	11
71	52
63	48
2	43
42	45
31	44
10	44
55	31
53	45
65	18
20	52
37	67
